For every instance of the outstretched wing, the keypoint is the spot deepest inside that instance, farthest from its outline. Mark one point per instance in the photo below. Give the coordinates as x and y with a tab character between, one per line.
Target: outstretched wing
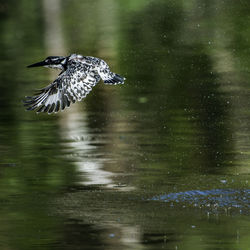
72	85
107	76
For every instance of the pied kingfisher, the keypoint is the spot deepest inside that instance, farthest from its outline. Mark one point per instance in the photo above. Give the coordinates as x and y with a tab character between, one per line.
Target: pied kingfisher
79	74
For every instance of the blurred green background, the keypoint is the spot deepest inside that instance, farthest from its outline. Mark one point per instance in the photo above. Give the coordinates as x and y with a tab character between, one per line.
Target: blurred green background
161	162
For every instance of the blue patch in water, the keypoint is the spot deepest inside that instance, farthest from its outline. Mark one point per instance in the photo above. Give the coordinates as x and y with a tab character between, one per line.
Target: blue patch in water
223	198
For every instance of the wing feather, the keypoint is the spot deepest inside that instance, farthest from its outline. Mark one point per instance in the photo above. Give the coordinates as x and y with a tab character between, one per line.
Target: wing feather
72	85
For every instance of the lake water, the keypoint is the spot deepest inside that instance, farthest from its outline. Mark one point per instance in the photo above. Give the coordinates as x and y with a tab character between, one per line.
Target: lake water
161	162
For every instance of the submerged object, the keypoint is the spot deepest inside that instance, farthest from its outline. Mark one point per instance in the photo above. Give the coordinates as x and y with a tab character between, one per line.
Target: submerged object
79	74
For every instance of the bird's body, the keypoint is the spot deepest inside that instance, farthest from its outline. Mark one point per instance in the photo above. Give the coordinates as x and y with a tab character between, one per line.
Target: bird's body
79	74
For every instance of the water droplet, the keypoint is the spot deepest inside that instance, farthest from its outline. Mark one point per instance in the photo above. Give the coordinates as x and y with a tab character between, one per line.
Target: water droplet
111	235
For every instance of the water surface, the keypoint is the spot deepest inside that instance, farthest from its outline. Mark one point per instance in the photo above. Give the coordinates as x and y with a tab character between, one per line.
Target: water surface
161	162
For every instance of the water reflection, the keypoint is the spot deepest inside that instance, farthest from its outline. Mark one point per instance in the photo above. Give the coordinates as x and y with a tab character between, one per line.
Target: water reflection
80	147
73	127
125	167
53	35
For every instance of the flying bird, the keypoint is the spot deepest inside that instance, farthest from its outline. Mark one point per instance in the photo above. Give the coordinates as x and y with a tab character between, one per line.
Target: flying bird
79	74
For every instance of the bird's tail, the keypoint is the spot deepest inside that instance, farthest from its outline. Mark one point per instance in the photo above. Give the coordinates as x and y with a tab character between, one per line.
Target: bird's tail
115	79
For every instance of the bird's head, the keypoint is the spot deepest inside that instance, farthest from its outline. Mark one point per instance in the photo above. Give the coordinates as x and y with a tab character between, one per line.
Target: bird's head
57	62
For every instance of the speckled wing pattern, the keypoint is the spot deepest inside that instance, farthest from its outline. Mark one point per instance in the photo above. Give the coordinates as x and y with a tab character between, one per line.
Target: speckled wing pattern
103	70
107	76
72	85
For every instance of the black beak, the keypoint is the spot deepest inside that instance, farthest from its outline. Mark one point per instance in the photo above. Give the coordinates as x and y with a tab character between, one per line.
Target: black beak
43	63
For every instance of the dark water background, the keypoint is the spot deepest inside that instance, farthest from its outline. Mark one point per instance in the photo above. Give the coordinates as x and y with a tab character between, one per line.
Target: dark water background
161	162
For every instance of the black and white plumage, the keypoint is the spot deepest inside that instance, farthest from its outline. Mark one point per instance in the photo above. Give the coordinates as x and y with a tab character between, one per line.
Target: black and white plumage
79	74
